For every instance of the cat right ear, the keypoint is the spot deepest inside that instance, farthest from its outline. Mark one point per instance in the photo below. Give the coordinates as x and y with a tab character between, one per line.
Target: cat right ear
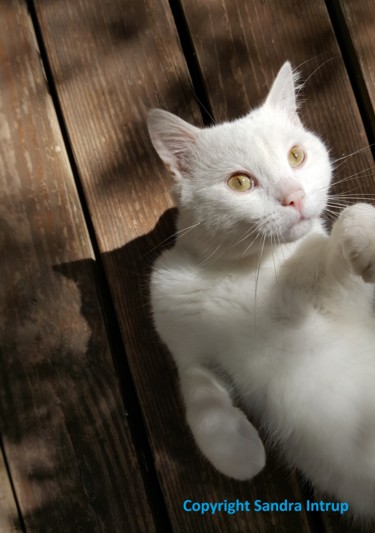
172	138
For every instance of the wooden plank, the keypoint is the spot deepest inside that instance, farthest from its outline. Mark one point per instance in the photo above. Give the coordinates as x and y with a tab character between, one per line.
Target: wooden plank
359	21
9	519
65	434
240	47
129	59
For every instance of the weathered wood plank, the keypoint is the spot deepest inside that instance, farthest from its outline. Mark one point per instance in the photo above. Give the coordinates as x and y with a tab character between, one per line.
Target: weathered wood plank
128	60
9	519
62	421
240	46
359	18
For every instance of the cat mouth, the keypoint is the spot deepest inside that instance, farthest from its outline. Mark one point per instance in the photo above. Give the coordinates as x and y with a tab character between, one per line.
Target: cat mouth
292	231
302	218
298	228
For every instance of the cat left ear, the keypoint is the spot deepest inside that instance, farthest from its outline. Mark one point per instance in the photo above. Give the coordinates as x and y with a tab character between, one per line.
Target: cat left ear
283	91
172	138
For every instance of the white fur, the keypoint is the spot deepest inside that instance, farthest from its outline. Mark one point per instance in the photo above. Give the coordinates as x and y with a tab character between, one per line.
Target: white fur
255	293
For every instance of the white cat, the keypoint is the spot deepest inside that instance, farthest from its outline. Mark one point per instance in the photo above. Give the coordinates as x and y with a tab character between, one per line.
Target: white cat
256	291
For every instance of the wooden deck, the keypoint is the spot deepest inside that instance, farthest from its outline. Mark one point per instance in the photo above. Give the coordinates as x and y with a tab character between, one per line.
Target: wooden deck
92	430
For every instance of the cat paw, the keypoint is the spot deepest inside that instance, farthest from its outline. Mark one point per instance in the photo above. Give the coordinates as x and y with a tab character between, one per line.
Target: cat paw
236	449
358	239
247	457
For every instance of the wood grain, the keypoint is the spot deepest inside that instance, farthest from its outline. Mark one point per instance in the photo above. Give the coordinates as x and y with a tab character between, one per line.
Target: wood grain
129	59
9	520
62	420
360	22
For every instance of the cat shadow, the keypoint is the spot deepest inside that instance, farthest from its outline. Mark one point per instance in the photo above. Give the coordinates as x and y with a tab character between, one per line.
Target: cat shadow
59	395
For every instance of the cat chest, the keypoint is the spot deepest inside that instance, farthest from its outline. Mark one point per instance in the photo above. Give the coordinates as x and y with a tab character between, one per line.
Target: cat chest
229	298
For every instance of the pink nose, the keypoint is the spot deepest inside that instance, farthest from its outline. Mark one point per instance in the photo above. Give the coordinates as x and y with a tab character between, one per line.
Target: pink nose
294	199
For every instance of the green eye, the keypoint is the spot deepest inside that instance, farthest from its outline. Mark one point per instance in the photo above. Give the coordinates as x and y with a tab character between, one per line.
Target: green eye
296	156
240	183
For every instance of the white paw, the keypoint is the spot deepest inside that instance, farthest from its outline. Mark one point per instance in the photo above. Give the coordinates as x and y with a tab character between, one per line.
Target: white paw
234	448
358	239
246	457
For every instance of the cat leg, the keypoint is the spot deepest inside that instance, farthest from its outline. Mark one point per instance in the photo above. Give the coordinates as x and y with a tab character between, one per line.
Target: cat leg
354	236
222	431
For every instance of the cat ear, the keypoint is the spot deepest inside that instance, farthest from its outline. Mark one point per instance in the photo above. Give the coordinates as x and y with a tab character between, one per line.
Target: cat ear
283	91
172	138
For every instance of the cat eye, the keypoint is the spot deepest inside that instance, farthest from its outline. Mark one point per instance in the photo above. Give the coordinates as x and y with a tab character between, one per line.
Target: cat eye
296	156
240	182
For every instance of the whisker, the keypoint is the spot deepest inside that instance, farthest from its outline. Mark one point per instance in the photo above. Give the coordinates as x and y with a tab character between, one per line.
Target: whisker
344	180
365	173
257	277
180	233
246	236
332	210
336	208
335	202
206	261
353	176
280	245
349	195
349	200
249	246
298	67
273	258
314	72
258	227
345	157
329	216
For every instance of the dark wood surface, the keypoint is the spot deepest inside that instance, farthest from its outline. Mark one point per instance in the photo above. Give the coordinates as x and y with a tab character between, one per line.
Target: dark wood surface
8	509
79	457
65	434
359	20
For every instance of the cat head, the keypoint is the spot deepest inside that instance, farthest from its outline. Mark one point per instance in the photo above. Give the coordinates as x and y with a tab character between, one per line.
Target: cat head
262	175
